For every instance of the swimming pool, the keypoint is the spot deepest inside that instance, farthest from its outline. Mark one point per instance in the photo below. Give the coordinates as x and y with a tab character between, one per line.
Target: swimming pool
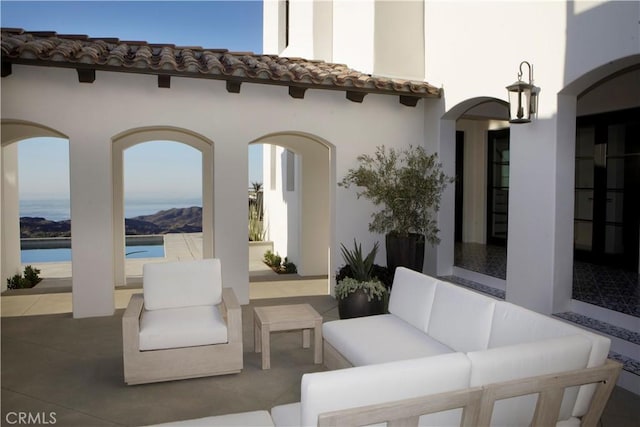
64	254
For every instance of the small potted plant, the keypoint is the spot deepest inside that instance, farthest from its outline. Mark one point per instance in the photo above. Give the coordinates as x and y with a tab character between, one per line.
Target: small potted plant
358	291
406	185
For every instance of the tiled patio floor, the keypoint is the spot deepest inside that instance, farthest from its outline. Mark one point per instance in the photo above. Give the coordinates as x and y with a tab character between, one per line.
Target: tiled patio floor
607	287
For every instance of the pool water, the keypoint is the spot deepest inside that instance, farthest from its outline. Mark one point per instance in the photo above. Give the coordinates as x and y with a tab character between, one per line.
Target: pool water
64	254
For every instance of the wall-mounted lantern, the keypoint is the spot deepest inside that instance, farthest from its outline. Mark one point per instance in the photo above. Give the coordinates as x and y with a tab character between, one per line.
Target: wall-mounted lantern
523	98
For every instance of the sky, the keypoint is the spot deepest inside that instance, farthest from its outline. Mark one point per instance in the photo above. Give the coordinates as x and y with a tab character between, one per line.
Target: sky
154	167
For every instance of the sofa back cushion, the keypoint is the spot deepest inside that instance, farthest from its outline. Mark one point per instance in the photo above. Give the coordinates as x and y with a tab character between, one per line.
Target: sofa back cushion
368	385
527	360
513	324
460	318
412	297
182	284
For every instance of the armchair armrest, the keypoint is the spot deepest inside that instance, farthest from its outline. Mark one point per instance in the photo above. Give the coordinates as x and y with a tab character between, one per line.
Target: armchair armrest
131	324
232	313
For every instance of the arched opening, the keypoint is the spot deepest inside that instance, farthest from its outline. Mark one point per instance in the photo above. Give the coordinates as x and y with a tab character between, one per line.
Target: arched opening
45	209
606	214
162	204
481	189
14	131
297	194
194	244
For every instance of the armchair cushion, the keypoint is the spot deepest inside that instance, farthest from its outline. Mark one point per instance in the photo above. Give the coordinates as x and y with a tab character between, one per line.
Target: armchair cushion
182	284
181	327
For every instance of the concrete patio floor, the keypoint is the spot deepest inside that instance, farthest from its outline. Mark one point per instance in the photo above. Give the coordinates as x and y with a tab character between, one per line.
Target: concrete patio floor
52	363
73	367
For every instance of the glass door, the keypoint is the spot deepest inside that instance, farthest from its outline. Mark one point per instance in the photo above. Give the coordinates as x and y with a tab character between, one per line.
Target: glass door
498	187
607	189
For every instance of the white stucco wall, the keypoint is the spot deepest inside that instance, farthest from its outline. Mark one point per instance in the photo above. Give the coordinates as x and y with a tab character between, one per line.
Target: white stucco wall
282	208
353	34
92	114
475	180
9	251
399	39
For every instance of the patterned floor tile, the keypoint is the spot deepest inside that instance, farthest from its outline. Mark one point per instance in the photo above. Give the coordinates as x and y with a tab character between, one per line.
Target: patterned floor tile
607	287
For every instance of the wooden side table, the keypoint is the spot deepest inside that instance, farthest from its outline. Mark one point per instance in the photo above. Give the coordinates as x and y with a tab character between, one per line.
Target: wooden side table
286	318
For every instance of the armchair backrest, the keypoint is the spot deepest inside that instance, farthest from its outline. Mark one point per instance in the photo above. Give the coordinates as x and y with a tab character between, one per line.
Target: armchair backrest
182	284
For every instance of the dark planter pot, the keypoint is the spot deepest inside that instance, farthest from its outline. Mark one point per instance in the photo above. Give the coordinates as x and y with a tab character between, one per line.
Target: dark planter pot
357	305
405	251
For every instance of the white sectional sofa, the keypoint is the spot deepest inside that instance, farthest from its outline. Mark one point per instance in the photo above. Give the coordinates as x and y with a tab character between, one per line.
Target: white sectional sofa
438	322
443	347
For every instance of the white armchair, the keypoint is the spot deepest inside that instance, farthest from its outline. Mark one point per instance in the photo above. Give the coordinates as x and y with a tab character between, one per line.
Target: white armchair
184	325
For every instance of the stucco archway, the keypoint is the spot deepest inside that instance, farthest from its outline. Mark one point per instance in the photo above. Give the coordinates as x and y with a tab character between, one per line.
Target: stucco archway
475	117
316	210
132	137
605	90
14	131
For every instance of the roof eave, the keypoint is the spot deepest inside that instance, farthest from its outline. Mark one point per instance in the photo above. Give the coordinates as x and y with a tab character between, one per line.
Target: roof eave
84	68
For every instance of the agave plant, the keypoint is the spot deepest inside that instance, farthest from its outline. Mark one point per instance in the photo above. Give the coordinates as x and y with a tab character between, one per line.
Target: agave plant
361	267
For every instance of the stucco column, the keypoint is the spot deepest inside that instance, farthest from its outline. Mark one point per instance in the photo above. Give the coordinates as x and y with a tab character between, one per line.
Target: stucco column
91	223
540	225
440	138
230	214
10	216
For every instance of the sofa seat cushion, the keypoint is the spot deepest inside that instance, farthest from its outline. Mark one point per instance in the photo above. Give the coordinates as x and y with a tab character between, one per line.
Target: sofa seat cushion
527	360
412	297
182	284
378	339
182	327
242	419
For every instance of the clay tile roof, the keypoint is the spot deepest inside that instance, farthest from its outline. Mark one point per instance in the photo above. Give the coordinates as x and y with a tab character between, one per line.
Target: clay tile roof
45	48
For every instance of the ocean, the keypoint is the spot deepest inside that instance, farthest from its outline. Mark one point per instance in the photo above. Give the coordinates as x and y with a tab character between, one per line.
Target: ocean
59	209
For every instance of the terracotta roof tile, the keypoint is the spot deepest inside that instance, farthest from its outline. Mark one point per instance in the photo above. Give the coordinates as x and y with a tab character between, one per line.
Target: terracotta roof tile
110	54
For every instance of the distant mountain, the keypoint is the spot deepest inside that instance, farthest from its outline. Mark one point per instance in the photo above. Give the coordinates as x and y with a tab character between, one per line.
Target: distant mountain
177	220
41	227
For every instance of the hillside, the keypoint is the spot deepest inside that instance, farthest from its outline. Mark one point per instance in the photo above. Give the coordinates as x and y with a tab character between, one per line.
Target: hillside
176	220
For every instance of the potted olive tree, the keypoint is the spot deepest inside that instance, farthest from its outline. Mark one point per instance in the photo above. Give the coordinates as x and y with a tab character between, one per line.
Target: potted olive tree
359	292
407	186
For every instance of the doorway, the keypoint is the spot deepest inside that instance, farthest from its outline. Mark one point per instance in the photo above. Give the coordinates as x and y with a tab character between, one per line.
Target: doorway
607	178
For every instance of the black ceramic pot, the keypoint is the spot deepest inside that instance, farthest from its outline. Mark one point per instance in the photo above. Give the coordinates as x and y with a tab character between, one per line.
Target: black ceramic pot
356	304
406	251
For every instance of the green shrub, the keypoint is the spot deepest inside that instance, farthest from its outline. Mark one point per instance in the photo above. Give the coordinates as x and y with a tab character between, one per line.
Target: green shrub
272	260
288	267
275	262
372	288
29	280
